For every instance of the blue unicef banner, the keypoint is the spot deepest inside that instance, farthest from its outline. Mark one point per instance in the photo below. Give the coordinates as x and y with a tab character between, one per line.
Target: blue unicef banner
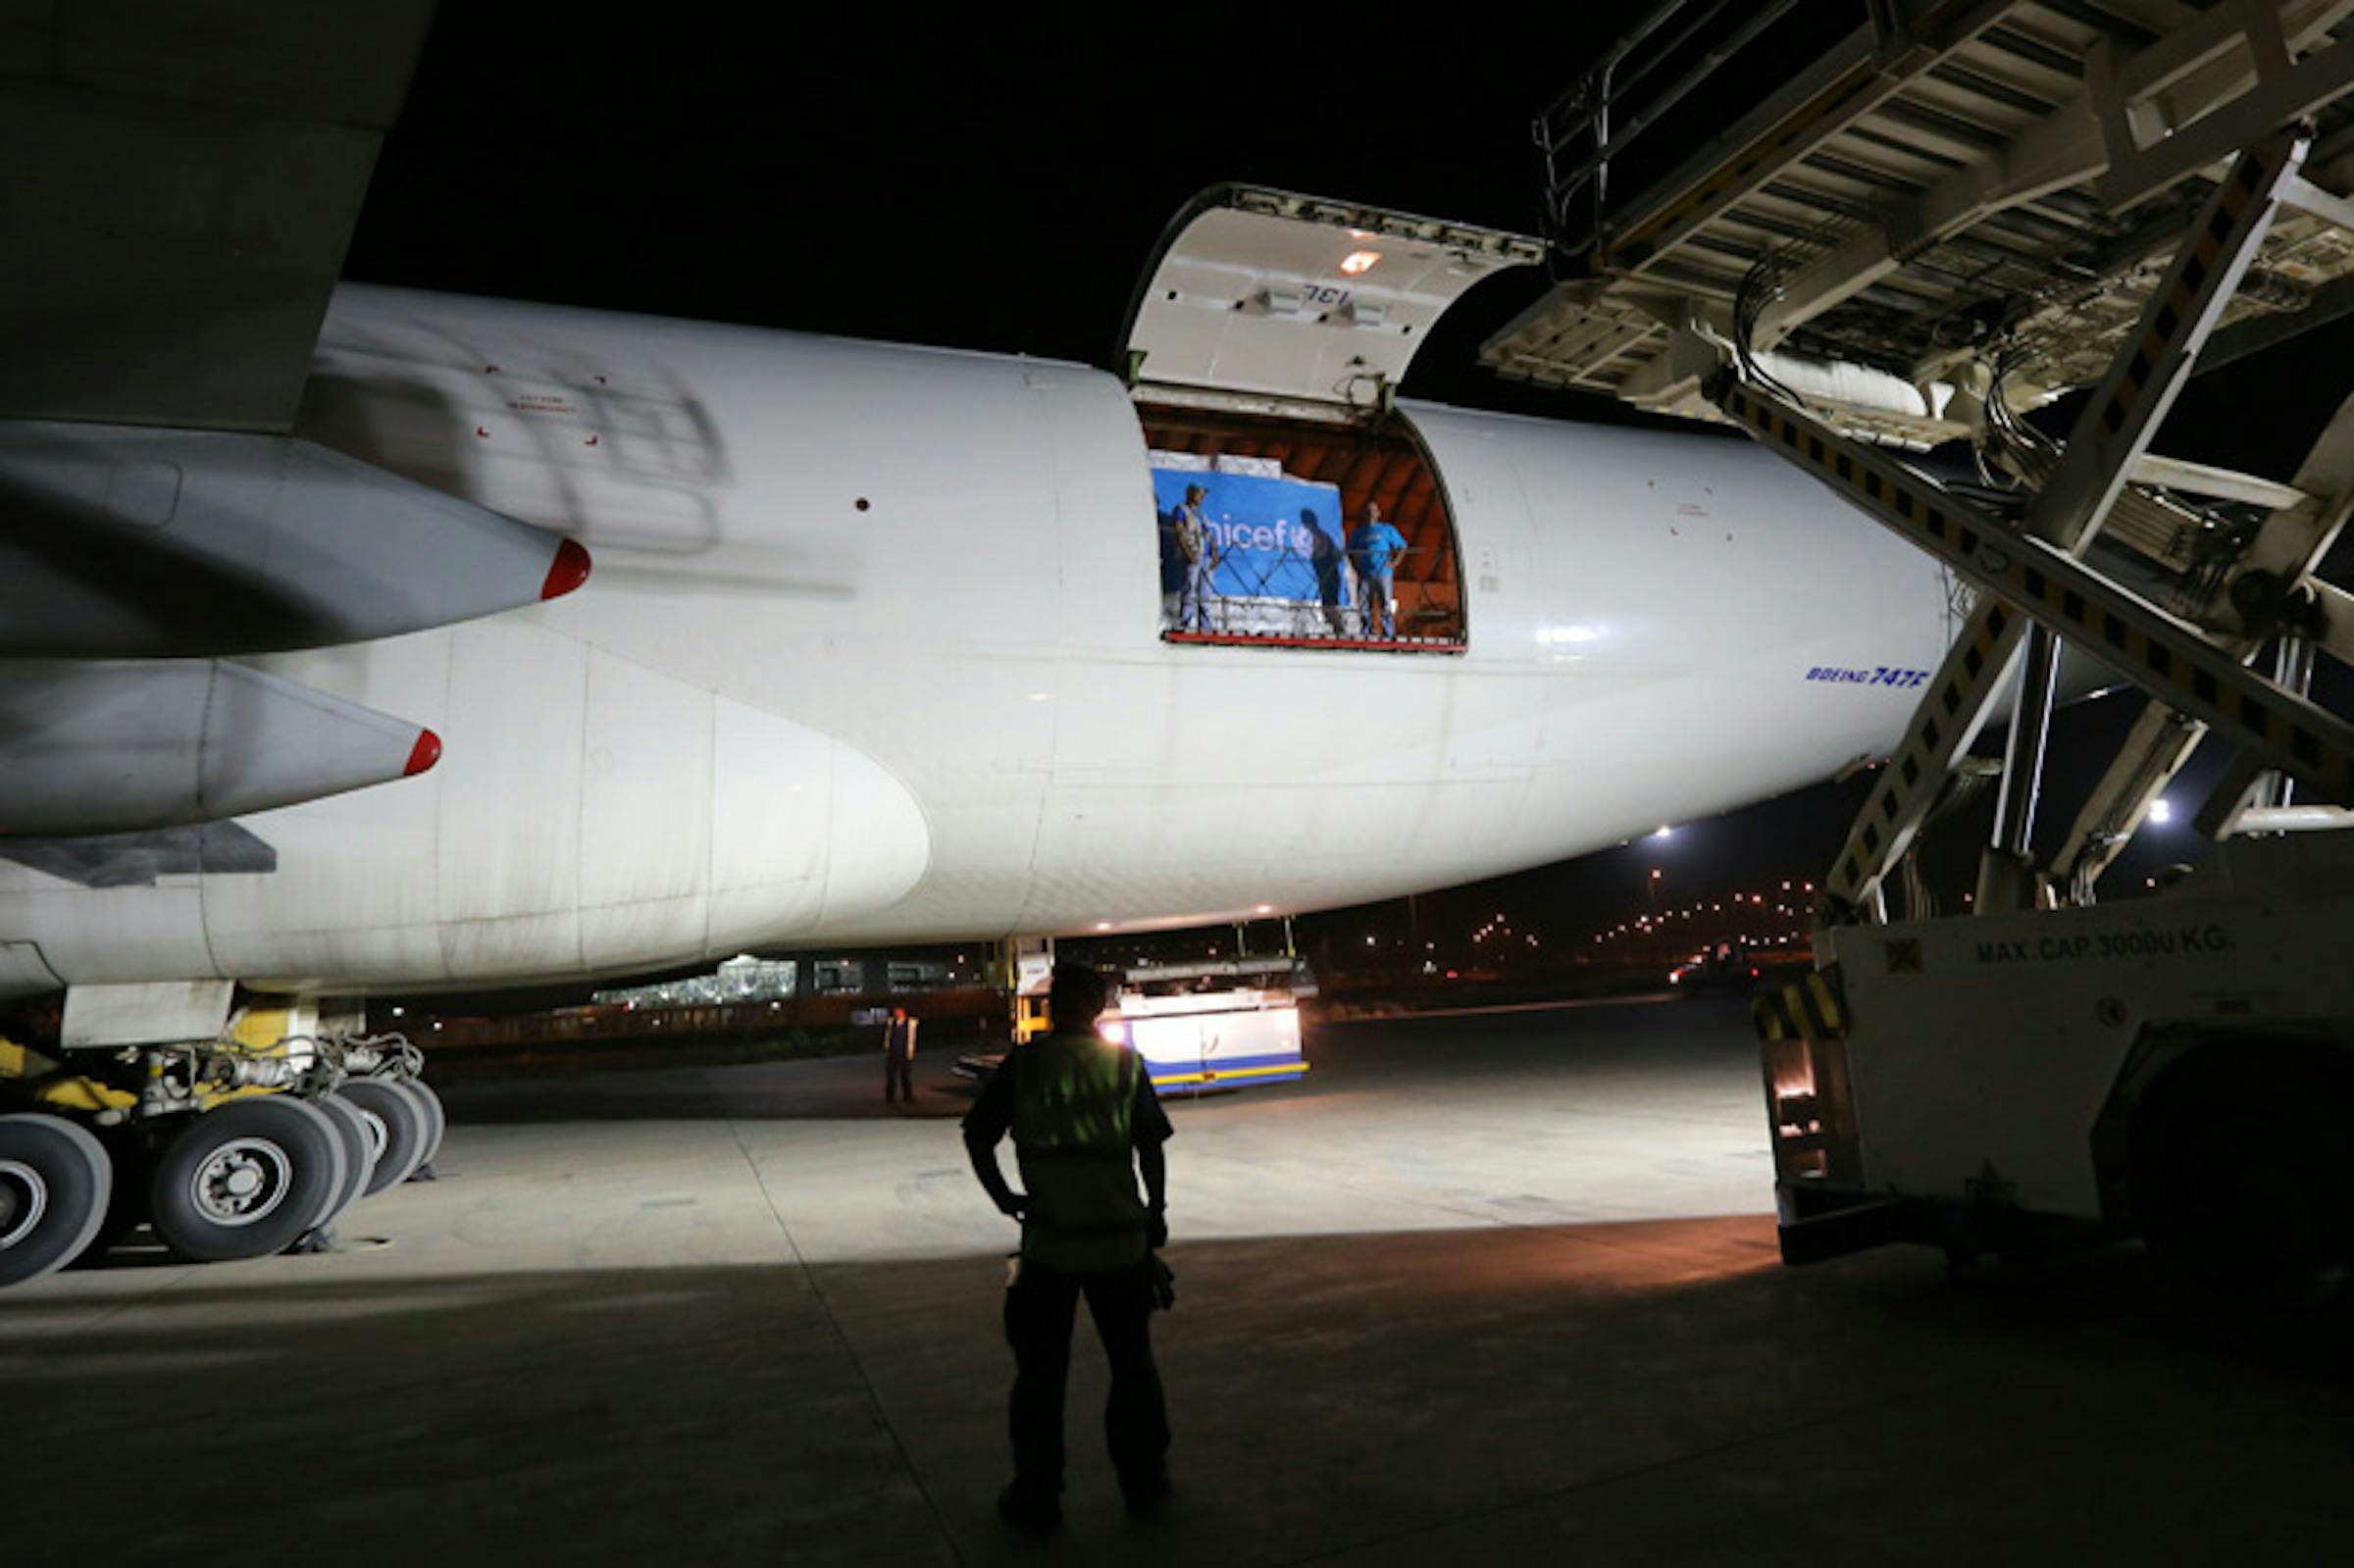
1275	539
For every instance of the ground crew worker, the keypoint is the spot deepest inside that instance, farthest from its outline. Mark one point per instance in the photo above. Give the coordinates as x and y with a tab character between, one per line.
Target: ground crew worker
1080	1107
899	1057
1200	555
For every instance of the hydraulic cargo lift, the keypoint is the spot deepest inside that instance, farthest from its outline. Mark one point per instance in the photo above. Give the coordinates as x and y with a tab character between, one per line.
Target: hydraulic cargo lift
1961	209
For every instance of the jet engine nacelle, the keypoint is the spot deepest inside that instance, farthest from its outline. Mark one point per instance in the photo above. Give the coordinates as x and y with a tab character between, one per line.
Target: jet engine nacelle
116	748
121	542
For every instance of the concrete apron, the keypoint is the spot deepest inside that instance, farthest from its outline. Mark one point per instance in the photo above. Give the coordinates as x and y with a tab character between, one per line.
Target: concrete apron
1484	1289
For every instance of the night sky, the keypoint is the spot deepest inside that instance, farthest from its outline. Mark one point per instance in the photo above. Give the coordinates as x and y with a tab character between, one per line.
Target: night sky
995	182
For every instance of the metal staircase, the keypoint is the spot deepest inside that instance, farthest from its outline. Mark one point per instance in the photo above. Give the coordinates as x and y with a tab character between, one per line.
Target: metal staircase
1961	211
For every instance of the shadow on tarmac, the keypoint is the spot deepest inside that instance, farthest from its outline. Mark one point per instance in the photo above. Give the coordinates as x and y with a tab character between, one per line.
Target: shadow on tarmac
1660	1392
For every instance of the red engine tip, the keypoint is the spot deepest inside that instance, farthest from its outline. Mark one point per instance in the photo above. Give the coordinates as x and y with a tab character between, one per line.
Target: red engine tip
424	754
567	571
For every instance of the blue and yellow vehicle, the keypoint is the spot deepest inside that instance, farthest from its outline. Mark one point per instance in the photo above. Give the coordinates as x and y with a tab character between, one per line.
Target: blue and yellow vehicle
1222	1024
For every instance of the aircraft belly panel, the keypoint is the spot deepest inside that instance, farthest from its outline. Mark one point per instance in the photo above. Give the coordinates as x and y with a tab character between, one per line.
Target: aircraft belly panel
510	825
880	844
646	792
770	816
109	934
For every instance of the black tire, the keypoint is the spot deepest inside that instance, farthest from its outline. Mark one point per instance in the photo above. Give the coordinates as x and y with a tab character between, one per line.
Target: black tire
398	1118
127	1208
246	1180
436	1119
359	1152
2248	1190
55	1181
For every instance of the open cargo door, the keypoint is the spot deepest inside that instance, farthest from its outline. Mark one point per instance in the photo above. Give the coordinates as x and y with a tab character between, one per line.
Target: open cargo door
1265	348
1281	296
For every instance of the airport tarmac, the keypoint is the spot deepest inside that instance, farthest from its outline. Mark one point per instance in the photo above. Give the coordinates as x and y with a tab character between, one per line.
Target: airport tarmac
1487	1288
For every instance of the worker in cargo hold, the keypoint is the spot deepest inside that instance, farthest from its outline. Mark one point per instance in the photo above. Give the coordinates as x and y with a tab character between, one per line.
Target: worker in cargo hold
1085	1119
1373	549
1198	554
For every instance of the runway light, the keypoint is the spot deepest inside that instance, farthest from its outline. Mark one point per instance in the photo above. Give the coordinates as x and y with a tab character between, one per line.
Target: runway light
1358	263
2162	810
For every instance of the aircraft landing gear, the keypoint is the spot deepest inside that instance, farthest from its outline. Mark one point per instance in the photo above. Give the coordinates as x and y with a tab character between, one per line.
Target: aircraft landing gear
226	1149
54	1184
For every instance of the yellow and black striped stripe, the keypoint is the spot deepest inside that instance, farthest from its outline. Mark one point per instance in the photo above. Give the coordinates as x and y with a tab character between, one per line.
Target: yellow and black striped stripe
2165	655
1812	1009
1939	730
2240	205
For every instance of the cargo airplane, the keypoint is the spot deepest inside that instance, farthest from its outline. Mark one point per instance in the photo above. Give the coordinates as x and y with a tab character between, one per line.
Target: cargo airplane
360	639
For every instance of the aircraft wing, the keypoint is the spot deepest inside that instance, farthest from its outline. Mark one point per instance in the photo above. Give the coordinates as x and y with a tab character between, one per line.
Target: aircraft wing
177	187
180	183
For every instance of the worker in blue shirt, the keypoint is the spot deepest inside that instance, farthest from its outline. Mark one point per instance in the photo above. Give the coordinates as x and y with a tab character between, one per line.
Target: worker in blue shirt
1373	547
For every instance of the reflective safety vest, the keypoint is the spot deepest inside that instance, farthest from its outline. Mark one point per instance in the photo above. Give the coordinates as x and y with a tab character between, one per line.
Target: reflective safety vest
1073	1103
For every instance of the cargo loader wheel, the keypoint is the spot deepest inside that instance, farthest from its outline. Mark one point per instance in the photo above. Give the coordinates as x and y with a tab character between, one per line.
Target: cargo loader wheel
54	1183
359	1152
396	1121
246	1180
436	1119
2250	1191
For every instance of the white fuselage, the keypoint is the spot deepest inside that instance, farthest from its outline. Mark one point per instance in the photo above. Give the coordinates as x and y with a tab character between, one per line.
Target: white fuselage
871	653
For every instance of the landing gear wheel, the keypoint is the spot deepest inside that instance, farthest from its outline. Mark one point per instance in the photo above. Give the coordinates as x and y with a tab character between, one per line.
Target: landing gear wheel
359	1152
247	1180
397	1122
54	1183
436	1119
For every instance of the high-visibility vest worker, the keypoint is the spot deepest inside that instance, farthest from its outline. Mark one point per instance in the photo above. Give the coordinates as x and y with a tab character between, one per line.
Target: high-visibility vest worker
1085	1124
1073	1139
